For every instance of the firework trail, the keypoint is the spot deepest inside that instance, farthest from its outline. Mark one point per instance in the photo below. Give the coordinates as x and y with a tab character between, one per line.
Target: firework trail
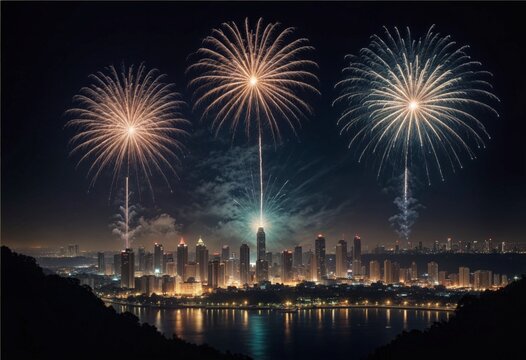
127	121
414	100
253	75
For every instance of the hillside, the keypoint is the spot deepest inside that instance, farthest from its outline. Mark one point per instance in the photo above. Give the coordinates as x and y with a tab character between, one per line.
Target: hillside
487	327
50	317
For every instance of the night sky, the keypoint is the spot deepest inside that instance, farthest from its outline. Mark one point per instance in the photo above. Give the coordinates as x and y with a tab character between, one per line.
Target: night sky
49	50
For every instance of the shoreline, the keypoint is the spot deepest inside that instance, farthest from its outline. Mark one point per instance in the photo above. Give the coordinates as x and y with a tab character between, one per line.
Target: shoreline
279	309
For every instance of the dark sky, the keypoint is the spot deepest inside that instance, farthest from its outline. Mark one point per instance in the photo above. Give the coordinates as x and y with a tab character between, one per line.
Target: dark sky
48	51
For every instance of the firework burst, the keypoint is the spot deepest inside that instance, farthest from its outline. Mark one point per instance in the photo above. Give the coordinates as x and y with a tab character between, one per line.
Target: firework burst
251	76
128	121
408	98
414	100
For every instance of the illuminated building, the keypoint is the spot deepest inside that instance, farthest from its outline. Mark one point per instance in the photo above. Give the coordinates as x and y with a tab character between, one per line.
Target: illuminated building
168	284
286	267
405	275
504	280
101	262
213	273
496	279
171	269
190	288
448	244
463	277
158	253
182	258
261	262
414	271
388	272
221	279
341	259
148	263
432	272
244	263
117	264
73	250
201	258
442	278
297	259
374	271
356	268
395	271
357	248
167	257
319	252
225	253
141	254
482	279
127	269
190	271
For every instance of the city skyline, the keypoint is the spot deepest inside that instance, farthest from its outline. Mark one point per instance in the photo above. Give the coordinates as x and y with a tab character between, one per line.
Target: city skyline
48	203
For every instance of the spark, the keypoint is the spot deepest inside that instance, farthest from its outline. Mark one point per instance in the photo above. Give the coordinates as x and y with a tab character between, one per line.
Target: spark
127	121
414	101
253	75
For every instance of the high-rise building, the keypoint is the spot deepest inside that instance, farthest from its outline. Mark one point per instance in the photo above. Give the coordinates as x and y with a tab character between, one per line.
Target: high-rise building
225	253
201	258
449	244
260	242
261	262
374	271
167	258
297	258
213	273
244	263
141	254
432	272
414	271
395	272
463	277
442	278
319	251
101	263
148	263
286	266
482	279
171	269
182	258
190	271
341	259
127	269
357	248
356	268
388	272
158	253
73	250
117	264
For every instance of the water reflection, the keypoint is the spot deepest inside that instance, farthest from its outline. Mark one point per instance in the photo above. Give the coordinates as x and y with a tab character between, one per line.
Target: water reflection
273	335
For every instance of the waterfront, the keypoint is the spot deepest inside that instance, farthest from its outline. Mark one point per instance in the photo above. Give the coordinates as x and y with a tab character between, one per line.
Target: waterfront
265	334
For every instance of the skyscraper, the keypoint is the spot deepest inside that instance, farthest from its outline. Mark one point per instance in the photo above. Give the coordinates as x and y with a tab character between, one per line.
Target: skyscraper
213	273
225	253
117	264
463	277
341	259
101	263
142	258
244	263
182	258
286	267
261	262
432	272
158	253
319	251
297	258
260	241
482	279
374	271
167	258
127	269
414	271
201	258
357	248
388	272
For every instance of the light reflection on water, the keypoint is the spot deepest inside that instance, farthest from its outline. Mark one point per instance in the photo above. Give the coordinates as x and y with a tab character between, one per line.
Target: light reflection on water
307	334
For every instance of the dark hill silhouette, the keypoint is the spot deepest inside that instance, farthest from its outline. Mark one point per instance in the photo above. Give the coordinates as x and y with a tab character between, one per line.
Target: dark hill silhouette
487	327
50	317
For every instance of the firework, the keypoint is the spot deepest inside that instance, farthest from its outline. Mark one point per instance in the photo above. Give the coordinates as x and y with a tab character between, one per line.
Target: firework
128	121
251	77
407	97
415	100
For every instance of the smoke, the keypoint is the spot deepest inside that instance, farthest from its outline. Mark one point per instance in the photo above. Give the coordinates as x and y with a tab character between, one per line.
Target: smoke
407	206
144	225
